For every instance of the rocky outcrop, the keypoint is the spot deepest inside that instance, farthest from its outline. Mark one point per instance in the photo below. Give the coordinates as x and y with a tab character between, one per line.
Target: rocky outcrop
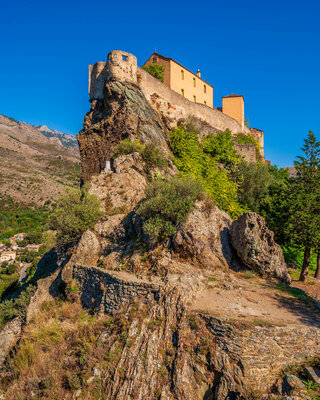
9	335
204	237
256	247
121	188
124	113
88	249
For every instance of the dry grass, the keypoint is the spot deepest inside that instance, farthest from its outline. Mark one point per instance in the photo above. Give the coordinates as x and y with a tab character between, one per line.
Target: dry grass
57	352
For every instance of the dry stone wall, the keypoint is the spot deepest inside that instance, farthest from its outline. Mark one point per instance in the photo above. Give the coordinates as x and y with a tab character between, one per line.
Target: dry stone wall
248	151
105	292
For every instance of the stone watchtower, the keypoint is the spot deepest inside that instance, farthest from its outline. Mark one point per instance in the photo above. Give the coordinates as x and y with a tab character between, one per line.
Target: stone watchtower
120	66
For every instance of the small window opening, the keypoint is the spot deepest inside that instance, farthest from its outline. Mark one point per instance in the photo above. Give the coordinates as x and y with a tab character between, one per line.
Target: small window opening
205	102
155	59
194	82
124	58
194	99
182	74
182	92
204	88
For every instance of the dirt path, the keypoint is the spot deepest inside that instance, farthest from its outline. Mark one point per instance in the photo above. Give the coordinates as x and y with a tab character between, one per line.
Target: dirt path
256	300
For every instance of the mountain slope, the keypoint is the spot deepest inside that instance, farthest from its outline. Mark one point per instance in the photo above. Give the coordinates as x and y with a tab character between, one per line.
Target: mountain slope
36	162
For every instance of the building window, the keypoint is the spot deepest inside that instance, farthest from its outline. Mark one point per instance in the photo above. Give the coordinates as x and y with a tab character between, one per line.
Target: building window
155	59
182	74
194	82
204	89
124	58
182	92
194	99
205	102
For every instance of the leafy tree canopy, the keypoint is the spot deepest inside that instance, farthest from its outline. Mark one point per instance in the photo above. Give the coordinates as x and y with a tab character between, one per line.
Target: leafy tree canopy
155	70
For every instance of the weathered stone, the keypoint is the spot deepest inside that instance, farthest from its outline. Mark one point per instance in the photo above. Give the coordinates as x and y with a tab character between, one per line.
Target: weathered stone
313	373
256	247
121	189
291	383
9	335
124	113
88	249
204	237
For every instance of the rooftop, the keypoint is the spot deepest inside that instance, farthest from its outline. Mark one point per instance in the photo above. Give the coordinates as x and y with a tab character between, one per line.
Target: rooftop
232	95
171	59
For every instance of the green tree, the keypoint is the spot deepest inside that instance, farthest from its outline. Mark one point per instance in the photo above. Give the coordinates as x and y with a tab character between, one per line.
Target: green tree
76	212
200	161
254	185
34	237
221	148
306	201
155	70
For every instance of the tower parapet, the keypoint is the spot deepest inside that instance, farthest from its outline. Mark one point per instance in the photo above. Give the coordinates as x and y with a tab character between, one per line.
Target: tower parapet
120	66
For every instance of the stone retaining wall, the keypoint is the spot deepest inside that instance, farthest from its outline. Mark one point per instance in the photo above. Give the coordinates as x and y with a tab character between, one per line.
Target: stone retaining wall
105	292
248	151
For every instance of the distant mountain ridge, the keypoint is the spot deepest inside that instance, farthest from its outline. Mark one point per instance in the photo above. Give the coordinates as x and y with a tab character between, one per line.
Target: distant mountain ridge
36	161
66	140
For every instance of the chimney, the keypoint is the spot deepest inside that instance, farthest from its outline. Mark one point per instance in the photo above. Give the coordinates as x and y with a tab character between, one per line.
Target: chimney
199	73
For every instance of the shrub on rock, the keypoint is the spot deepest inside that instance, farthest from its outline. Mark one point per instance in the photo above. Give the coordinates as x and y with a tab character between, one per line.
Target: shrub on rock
76	212
167	204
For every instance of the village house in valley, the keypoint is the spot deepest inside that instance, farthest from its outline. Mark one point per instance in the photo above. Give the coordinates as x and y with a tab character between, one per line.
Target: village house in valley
33	247
7	256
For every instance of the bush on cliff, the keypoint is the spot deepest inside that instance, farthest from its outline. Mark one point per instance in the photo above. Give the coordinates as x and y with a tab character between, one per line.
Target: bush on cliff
200	160
153	157
221	148
166	205
156	70
127	147
151	154
76	212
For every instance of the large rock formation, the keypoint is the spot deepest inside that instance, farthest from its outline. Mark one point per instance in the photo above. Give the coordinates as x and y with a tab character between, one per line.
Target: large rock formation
124	113
204	237
255	245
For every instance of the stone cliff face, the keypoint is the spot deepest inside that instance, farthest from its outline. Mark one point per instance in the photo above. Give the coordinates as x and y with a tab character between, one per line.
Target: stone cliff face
124	113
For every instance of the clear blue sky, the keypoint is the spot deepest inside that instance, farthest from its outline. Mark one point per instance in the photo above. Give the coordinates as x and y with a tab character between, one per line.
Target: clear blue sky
269	51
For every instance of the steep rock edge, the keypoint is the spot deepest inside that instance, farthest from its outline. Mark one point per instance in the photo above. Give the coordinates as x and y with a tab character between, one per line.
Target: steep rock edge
124	113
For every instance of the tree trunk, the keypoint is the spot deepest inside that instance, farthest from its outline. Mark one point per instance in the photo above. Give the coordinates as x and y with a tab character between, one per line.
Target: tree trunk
317	274
305	265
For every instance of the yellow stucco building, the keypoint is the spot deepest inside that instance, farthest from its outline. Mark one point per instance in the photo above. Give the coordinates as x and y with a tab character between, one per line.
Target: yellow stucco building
233	105
183	81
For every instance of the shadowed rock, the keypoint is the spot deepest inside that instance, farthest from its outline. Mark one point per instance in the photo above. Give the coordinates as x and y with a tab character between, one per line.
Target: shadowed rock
256	247
205	237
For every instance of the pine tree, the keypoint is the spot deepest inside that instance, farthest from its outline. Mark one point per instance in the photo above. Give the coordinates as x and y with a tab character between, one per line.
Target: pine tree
306	200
